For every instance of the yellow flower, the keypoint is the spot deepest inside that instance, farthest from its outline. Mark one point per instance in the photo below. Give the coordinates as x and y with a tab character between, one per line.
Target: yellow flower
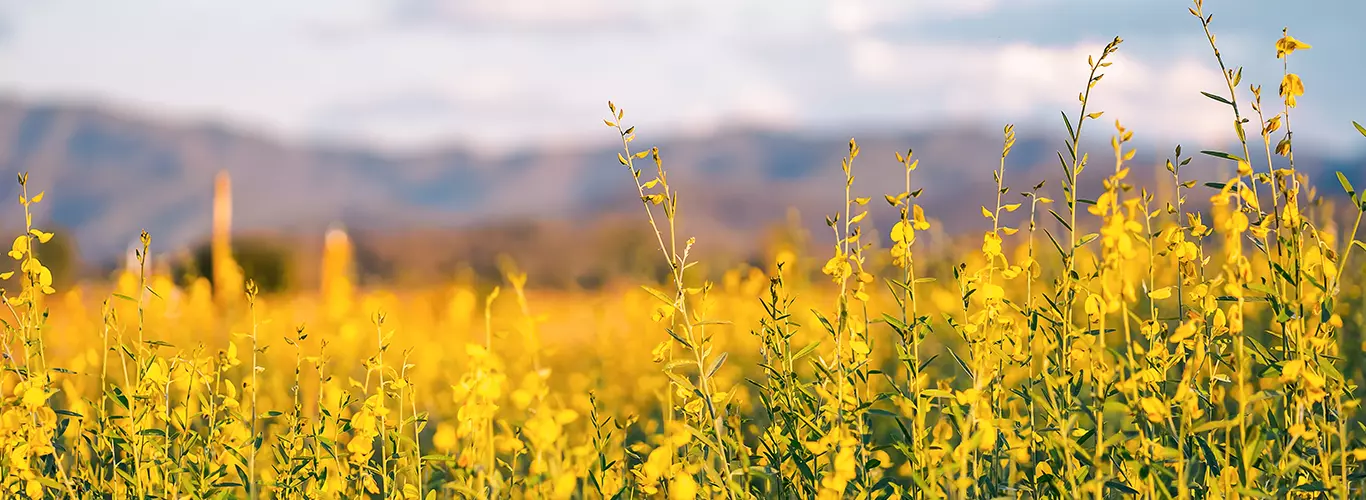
1290	371
1288	44
230	357
657	464
1291	87
35	397
903	232
991	244
1238	223
1197	226
838	268
683	487
1301	431
859	347
992	291
918	218
661	351
445	438
1011	272
45	280
1313	386
1043	469
542	431
1156	410
986	434
968	396
20	247
662	312
785	258
1094	307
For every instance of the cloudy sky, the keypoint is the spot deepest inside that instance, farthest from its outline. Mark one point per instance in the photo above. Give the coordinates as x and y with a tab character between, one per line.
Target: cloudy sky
498	73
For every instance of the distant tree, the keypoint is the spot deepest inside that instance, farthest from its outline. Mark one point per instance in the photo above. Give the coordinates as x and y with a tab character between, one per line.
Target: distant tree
62	257
269	263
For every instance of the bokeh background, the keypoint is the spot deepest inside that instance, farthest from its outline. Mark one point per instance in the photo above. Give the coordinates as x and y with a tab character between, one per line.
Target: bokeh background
443	134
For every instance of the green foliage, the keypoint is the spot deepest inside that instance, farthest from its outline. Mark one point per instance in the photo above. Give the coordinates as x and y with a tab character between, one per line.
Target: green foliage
267	262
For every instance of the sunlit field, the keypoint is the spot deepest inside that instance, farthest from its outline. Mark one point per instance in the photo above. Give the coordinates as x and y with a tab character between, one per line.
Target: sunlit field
1186	339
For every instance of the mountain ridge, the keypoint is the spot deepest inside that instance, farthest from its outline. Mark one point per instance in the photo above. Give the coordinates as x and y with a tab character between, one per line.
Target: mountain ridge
111	173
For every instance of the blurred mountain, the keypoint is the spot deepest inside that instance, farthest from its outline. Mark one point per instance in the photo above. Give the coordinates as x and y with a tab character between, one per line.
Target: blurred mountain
109	174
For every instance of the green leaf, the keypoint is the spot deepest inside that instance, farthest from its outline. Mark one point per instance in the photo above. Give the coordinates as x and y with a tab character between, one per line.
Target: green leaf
1061	220
805	351
682	341
716	365
824	322
1347	186
1056	245
659	295
1211	459
1316	486
681	381
1359	128
117	396
960	362
895	323
1221	154
936	393
1121	487
50	483
1217	98
1253	493
125	475
1217	424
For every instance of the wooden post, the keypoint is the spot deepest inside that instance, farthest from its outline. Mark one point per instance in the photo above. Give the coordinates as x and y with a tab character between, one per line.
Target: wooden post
338	272
227	278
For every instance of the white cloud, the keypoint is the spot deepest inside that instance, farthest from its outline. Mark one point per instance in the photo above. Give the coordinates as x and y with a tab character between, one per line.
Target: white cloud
855	16
503	14
506	72
1021	81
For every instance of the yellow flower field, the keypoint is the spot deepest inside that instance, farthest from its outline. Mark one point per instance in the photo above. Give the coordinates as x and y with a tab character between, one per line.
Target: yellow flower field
1107	344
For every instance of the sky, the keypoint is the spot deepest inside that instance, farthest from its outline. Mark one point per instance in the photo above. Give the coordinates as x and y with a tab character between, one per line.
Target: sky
502	74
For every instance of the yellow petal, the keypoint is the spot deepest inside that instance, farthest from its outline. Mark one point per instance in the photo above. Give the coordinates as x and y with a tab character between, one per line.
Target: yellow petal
1291	370
1288	44
1291	86
918	215
19	248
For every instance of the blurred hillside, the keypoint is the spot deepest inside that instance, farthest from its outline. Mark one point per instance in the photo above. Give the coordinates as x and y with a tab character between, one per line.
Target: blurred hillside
111	173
